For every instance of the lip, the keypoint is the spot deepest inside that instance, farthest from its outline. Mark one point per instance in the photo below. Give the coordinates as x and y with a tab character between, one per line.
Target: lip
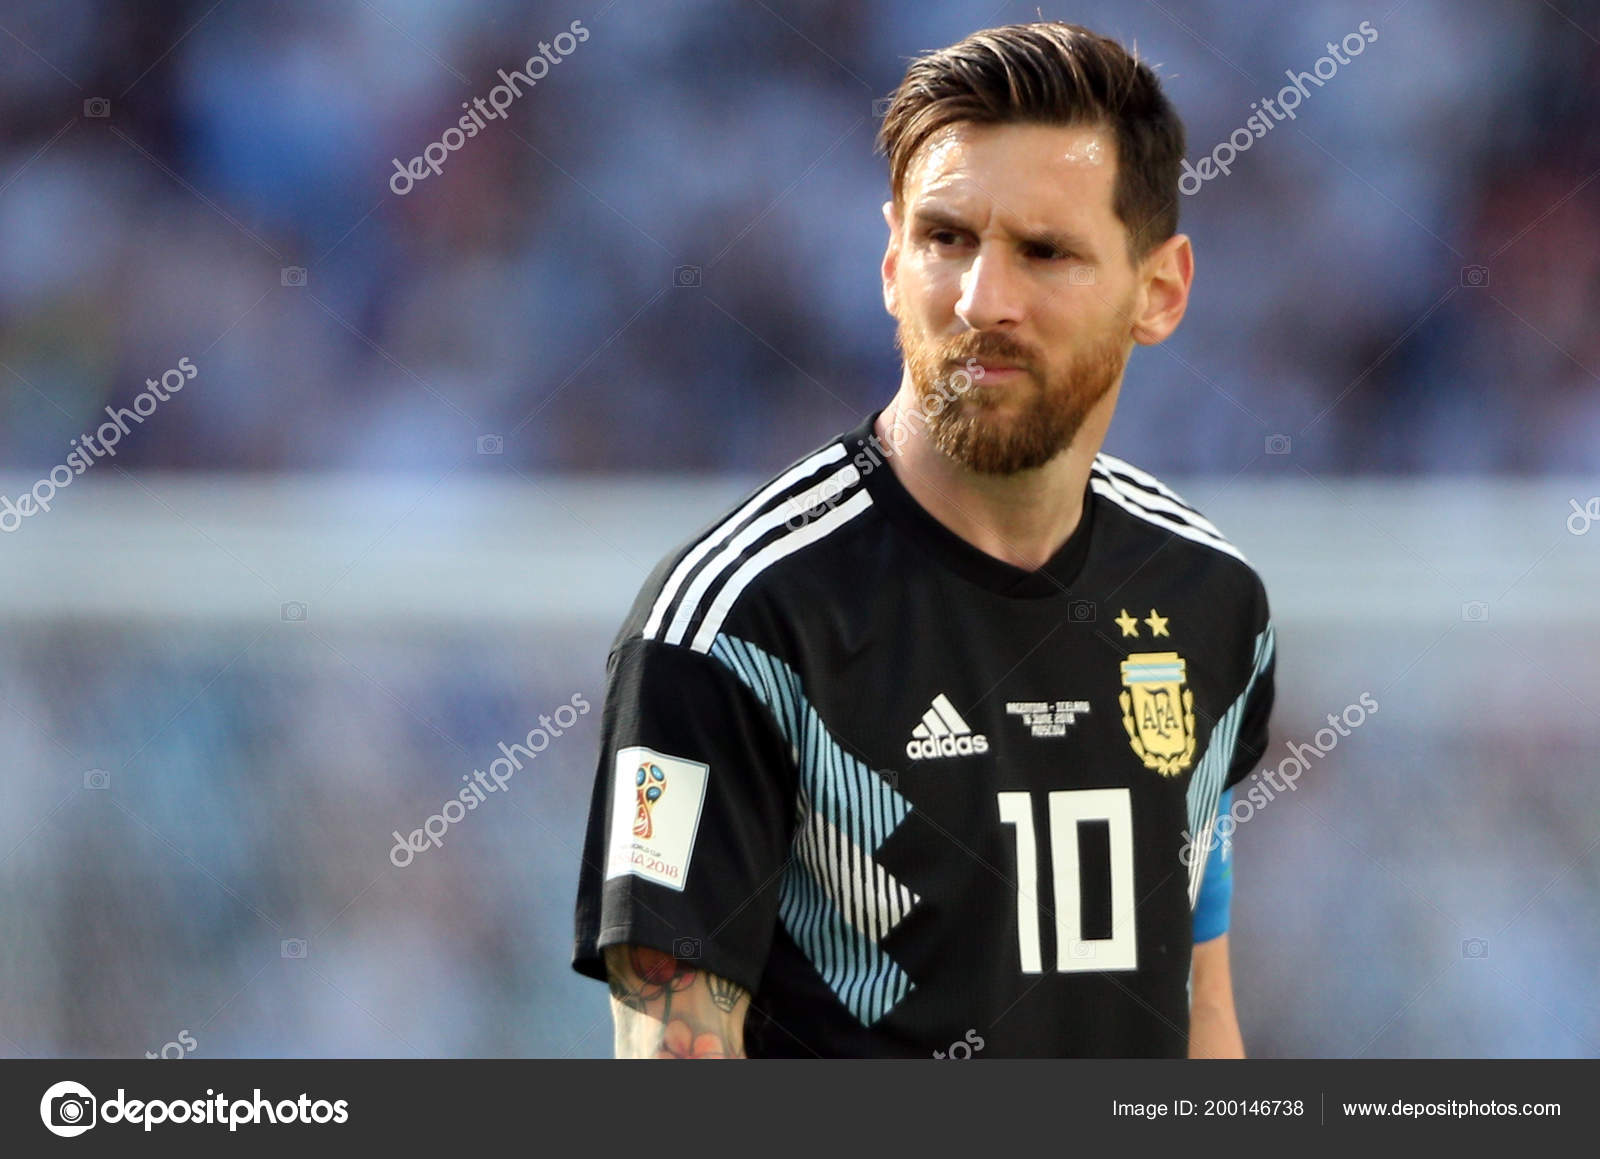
998	369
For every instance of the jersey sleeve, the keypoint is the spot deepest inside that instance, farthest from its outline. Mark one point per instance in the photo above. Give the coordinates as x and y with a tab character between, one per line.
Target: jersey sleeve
691	818
1216	885
1258	695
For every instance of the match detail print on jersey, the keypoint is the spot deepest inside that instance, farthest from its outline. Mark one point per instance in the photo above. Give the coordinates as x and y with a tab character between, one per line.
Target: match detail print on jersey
1048	717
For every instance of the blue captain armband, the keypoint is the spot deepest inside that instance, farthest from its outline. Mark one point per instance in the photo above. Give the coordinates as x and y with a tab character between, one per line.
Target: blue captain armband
1216	887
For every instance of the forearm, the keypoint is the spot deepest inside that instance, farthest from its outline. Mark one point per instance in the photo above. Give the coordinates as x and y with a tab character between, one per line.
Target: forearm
667	1008
1213	1023
1214	1033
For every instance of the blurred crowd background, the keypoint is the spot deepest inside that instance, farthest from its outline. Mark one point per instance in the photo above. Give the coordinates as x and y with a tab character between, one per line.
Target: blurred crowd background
534	277
664	262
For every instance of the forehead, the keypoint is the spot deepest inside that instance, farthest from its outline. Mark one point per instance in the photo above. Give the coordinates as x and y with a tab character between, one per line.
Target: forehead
1028	175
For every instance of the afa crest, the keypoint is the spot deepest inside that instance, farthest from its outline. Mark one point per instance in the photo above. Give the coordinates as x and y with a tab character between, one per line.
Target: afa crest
1158	711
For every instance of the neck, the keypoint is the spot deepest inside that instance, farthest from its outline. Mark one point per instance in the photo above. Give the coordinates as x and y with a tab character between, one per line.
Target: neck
1021	519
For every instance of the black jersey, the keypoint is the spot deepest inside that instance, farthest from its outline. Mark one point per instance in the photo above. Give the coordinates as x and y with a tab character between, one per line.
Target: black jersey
911	796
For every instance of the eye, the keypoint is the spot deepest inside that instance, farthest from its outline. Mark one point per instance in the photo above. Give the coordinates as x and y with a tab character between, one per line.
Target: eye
944	237
1047	253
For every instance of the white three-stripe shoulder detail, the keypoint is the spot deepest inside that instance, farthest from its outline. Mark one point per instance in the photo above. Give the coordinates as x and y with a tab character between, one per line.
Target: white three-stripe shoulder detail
786	544
826	491
1134	503
1151	493
686	565
1143	478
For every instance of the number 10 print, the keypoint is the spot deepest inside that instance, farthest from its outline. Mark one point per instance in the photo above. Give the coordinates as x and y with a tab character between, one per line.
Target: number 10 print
1068	807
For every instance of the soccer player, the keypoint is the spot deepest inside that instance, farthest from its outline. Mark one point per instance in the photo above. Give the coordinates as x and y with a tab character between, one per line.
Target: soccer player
918	751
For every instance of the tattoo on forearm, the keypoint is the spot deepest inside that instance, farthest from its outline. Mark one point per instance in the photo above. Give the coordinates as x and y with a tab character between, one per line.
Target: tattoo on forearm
667	1008
626	996
724	994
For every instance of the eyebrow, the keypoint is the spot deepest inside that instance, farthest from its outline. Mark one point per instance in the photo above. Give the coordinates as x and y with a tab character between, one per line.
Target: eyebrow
1065	241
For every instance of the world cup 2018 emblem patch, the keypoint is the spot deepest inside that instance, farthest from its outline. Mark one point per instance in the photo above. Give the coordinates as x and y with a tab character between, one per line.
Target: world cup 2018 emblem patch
1158	711
655	815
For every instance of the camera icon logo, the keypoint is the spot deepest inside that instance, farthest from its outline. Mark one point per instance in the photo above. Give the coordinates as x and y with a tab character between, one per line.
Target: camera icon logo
1081	275
1475	611
1082	611
1474	276
97	107
291	948
1475	948
491	445
293	612
686	948
96	779
1278	444
880	106
293	275
686	276
68	1109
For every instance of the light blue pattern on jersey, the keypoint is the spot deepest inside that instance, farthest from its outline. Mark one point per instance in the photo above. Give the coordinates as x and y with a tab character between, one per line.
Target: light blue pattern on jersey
834	900
1205	786
1216	887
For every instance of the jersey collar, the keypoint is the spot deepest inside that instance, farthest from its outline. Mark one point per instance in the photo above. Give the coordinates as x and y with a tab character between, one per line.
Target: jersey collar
1055	578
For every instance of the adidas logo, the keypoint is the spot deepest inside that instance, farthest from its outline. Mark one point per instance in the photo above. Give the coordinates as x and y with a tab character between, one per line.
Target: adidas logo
943	733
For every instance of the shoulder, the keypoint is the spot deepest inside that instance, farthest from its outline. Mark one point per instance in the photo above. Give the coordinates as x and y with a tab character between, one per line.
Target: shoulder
694	590
1146	498
1151	506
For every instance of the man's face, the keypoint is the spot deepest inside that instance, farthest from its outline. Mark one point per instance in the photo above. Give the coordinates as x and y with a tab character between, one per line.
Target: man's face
1008	251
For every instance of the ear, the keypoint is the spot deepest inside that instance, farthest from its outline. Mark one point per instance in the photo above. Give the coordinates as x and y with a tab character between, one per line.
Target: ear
1165	276
891	260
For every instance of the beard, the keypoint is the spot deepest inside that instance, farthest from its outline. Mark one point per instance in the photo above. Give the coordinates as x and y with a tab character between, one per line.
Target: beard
971	426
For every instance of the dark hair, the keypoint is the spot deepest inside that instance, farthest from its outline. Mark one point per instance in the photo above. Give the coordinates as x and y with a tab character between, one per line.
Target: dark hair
1049	73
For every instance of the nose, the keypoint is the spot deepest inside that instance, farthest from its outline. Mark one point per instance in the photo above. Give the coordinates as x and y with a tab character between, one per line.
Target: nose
991	292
